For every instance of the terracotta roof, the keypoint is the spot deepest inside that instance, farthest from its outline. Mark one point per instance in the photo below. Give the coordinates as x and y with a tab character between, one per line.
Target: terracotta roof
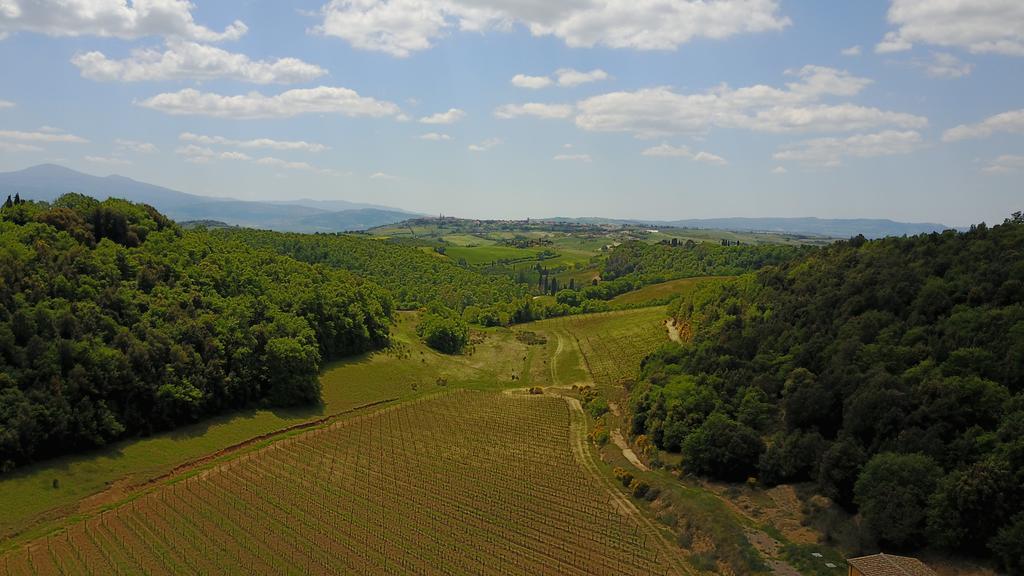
889	565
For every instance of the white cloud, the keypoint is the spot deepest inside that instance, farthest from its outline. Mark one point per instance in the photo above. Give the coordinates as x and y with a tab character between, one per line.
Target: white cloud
654	112
831	151
108	160
485	145
531	82
401	27
585	158
945	65
779	170
6	104
254	143
383	176
569	77
434	136
319	100
535	109
182	60
851	51
990	26
18	147
709	158
135	146
110	18
1005	163
1012	121
669	151
41	136
452	116
205	155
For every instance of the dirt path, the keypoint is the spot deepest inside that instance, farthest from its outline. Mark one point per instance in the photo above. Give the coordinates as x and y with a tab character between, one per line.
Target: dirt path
627	451
673	331
667	551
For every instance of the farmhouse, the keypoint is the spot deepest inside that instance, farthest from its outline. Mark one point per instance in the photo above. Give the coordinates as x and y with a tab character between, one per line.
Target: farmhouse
887	565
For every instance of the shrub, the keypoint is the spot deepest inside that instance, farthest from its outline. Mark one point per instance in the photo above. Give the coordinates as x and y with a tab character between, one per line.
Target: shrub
639	488
624	476
443	333
722	448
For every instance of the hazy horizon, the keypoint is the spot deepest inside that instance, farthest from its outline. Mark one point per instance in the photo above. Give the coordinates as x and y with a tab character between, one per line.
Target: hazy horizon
489	109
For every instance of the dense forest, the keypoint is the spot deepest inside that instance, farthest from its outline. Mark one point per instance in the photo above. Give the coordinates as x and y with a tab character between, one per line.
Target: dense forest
414	277
635	264
115	322
889	372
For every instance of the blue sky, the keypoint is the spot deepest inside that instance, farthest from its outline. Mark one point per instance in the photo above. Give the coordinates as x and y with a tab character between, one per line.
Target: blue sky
905	109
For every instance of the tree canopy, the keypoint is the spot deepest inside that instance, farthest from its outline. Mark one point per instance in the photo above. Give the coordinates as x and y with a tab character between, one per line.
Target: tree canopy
864	353
114	321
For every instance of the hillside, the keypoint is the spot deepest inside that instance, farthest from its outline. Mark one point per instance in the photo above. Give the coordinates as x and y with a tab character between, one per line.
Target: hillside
47	182
813	227
888	372
115	322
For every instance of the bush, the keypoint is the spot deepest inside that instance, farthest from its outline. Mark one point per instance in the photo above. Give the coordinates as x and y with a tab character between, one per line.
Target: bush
624	476
444	333
639	488
1008	545
597	407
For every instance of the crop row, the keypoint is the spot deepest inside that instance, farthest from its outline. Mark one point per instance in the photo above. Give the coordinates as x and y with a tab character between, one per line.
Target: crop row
463	483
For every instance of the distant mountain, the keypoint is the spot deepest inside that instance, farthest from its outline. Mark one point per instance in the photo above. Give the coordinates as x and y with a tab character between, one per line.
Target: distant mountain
831	228
48	181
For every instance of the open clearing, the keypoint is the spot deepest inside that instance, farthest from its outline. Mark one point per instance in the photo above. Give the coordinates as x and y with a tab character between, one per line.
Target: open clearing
463	482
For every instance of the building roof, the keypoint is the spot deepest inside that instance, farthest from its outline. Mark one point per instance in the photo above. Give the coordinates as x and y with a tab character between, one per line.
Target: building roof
889	565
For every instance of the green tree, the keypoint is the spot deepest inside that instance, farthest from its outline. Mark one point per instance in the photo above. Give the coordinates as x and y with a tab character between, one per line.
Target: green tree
892	493
722	448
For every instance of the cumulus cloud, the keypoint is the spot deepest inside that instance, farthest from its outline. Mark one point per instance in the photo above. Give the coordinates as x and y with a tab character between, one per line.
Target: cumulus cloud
43	136
831	151
401	27
779	170
1012	121
110	18
485	145
452	116
569	77
135	146
992	26
253	143
654	112
383	176
945	65
585	158
6	104
534	109
669	151
1005	163
531	82
205	155
319	100
434	136
851	51
565	77
184	60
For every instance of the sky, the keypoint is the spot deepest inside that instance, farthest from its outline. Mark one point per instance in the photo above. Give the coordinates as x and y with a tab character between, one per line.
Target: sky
656	109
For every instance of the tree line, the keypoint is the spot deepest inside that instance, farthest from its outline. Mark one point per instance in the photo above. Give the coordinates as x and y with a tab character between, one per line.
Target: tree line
890	372
116	322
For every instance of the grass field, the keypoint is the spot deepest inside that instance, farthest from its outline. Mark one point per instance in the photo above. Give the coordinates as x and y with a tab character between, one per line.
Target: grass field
662	291
486	254
28	497
464	482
